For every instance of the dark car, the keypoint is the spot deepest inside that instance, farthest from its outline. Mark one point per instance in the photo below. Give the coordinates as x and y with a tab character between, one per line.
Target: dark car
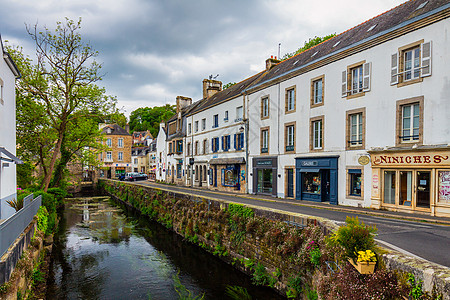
121	177
135	176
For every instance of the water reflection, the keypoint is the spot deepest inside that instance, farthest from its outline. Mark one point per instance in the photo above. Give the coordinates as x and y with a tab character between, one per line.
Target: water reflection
105	252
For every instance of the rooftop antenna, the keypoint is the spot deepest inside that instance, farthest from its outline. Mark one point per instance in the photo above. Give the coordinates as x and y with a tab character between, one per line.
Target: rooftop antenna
213	77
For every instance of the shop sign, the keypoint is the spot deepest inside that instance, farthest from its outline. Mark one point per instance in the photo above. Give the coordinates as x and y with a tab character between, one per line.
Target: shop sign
309	163
415	159
444	186
363	160
375	184
264	162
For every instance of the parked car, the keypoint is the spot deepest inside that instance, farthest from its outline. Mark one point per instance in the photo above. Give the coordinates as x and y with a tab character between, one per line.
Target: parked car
133	176
121	177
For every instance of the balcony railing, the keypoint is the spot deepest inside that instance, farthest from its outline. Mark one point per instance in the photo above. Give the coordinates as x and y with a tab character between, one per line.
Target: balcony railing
13	227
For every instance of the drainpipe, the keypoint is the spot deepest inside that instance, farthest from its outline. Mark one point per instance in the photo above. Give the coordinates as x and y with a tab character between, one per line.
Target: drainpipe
278	137
246	125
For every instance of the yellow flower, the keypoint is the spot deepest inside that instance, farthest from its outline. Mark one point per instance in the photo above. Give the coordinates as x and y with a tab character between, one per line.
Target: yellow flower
365	256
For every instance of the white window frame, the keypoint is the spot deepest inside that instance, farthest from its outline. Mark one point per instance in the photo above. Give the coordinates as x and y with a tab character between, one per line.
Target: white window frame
290	99
215	121
317	134
317	91
109	142
120	156
225	119
290	135
108	155
196	126
203	124
265	107
408	135
189	128
356	129
120	143
265	138
239	113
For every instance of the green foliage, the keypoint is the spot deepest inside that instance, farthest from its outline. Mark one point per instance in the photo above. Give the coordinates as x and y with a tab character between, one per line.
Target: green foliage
311	43
149	118
354	237
260	275
315	256
42	219
16	203
416	287
25	174
229	84
38	275
237	293
58	193
240	210
311	294
183	292
294	287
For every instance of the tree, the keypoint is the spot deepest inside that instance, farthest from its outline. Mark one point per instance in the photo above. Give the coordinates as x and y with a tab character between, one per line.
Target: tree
149	118
61	87
311	43
229	84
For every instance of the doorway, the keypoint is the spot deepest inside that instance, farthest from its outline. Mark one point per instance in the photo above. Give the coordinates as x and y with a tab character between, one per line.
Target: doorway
423	189
290	183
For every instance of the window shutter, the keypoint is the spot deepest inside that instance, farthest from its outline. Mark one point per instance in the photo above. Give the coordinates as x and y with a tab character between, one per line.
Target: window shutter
394	68
344	84
426	59
234	138
213	149
366	76
223	140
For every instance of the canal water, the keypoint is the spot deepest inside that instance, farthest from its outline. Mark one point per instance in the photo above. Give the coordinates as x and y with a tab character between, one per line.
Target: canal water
104	251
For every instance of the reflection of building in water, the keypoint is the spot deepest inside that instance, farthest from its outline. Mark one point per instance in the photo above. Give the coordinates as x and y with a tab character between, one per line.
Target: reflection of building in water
85	211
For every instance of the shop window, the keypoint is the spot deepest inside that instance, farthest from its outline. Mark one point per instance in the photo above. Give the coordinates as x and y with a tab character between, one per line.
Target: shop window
389	187
265	107
406	188
289	137
355	182
230	176
265	181
290	99
356	80
179	170
411	63
444	186
317	91
410	121
316	134
264	140
311	183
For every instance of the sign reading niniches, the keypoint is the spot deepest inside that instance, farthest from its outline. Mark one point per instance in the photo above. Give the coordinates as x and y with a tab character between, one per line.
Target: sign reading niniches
411	159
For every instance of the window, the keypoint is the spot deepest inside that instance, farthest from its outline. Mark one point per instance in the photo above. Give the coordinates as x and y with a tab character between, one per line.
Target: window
120	156
215	121
109	142
109	156
410	121
179	146
170	148
215	144
203	124
311	182
289	137
120	143
389	187
226	143
290	99
196	148
188	149
264	107
444	186
135	161
196	126
356	80
411	63
205	145
316	135
230	176
239	141
239	114
317	91
225	119
355	129
265	140
355	182
189	128
179	171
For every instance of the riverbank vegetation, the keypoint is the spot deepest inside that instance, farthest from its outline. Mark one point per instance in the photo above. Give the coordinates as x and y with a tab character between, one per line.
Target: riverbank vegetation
299	261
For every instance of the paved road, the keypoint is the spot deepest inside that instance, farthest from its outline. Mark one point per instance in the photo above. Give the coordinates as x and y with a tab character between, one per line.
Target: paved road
430	241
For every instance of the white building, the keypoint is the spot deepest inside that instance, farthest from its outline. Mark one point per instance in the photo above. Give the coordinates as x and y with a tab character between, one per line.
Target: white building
361	119
161	153
8	74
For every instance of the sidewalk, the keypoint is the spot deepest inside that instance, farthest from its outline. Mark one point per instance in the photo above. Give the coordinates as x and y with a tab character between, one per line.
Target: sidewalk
416	217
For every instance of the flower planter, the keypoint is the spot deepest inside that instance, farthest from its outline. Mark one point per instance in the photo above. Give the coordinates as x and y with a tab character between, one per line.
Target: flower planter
364	267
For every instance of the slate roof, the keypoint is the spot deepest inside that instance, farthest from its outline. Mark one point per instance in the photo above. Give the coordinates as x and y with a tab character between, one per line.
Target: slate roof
380	24
115	130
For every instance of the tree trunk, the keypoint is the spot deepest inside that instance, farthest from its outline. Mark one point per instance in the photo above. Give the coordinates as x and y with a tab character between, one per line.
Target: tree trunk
59	170
56	152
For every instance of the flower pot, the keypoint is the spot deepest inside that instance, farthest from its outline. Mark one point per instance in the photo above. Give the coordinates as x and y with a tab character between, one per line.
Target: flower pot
364	267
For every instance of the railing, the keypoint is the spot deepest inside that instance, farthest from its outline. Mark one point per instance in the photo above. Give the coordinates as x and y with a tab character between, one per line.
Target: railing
13	227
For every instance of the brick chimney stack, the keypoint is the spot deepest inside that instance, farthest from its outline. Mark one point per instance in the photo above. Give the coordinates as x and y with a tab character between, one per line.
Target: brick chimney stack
183	102
270	62
210	87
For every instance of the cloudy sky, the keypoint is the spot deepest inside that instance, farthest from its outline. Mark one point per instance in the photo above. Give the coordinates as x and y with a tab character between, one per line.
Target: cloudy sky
155	50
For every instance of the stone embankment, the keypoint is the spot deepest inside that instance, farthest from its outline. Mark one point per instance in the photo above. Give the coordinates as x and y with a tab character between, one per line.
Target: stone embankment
274	247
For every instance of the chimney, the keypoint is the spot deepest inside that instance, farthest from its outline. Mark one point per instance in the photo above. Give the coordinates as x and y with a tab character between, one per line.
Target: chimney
183	102
270	62
210	87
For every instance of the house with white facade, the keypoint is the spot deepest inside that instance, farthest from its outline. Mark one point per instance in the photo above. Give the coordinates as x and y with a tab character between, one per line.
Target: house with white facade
362	119
8	160
161	153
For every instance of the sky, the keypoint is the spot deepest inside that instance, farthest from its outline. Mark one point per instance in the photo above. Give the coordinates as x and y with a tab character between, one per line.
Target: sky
155	50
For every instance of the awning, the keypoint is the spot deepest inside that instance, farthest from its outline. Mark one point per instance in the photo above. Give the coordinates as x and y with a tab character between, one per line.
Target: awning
309	170
11	157
227	161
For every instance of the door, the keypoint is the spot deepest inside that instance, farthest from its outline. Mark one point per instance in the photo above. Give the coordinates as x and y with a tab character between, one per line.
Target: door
423	189
290	182
200	176
325	185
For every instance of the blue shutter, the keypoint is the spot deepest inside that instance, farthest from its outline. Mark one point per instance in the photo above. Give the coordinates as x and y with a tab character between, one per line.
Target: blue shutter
235	142
223	140
212	145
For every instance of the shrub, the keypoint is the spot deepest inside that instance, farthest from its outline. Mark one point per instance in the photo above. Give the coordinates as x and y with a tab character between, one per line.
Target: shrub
42	219
58	193
16	203
354	237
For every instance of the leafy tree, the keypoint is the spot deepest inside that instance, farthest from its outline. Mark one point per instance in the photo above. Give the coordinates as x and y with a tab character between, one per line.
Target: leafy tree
229	84
149	118
311	43
59	93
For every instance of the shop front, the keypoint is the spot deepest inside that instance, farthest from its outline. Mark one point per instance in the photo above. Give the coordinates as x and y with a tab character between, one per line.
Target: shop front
227	174
317	179
265	175
412	181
